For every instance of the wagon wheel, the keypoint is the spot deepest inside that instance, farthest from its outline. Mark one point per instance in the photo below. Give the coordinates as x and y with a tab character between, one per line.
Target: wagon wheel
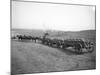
91	49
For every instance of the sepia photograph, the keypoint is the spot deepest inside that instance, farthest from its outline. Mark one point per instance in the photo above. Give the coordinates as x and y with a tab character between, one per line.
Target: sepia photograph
52	37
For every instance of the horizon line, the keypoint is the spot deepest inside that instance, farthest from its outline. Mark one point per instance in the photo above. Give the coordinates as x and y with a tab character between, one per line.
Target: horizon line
52	29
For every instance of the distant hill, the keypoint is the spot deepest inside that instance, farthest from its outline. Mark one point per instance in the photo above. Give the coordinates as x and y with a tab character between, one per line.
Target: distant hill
86	34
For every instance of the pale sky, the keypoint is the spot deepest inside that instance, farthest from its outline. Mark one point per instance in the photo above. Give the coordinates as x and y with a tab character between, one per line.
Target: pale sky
31	15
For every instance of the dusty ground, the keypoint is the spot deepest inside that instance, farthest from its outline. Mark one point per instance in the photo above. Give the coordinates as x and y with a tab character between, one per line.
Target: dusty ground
30	57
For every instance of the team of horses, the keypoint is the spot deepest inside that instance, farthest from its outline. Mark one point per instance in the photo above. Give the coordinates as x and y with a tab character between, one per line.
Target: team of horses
79	45
24	37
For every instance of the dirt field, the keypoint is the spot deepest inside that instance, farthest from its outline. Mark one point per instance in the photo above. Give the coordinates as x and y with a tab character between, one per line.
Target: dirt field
29	57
